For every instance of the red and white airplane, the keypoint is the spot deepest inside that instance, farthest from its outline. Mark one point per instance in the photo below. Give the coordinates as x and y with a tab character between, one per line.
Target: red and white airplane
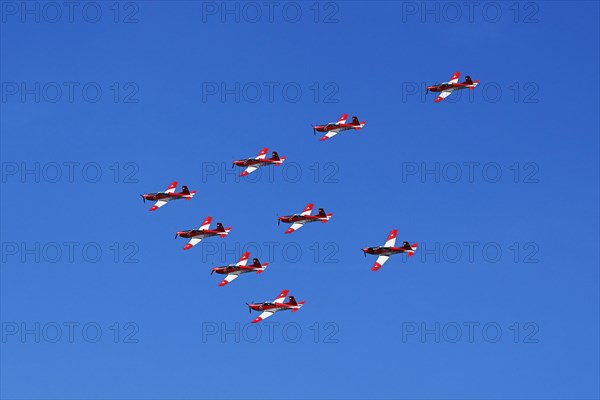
253	164
235	270
298	220
163	198
447	88
384	252
333	128
269	308
196	235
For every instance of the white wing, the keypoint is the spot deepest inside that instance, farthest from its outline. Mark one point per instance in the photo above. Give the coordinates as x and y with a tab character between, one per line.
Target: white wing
342	119
158	205
243	259
455	77
171	188
281	297
295	226
443	95
264	315
308	209
331	134
249	170
206	224
192	243
228	279
380	261
262	154
391	240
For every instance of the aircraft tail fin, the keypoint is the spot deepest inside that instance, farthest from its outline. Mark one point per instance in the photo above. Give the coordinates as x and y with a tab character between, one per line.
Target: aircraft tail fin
292	301
275	156
468	80
225	231
185	190
300	304
260	267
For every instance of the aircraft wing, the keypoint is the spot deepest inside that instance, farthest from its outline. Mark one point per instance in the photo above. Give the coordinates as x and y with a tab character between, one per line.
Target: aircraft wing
264	315
228	279
380	261
295	226
331	134
281	296
262	154
308	209
391	240
158	205
343	119
206	224
243	260
443	95
171	188
249	170
192	243
454	78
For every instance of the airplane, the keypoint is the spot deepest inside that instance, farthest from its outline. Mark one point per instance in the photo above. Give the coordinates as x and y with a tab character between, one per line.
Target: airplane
196	235
298	220
384	252
269	308
333	128
447	88
253	164
163	198
233	271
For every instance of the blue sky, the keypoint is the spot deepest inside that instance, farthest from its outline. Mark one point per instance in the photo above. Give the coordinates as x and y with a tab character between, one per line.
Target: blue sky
498	186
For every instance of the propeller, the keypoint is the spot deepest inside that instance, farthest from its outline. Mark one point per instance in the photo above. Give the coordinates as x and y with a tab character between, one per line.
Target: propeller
177	234
426	91
364	252
143	198
212	271
249	309
314	130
